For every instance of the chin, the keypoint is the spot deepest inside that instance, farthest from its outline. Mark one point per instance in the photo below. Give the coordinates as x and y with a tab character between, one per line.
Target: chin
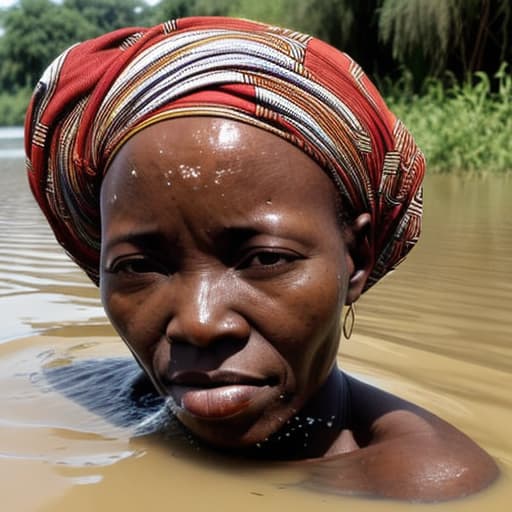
225	434
241	430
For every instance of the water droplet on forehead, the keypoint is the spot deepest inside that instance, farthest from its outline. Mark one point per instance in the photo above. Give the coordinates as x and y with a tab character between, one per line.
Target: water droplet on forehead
187	172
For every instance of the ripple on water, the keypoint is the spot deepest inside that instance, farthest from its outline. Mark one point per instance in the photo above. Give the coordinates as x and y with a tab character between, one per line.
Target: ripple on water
40	287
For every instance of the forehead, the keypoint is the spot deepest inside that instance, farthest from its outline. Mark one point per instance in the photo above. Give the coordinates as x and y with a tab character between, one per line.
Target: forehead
220	165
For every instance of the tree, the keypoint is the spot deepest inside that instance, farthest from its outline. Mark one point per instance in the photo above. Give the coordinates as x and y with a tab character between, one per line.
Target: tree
430	36
426	37
36	31
171	9
108	15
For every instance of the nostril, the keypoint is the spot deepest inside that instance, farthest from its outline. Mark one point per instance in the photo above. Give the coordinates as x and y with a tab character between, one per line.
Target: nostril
217	342
186	355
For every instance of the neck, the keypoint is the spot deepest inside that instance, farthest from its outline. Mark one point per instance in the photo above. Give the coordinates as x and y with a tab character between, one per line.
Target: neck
313	430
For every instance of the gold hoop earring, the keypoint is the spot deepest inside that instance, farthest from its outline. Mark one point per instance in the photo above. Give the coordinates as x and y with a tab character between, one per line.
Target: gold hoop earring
349	321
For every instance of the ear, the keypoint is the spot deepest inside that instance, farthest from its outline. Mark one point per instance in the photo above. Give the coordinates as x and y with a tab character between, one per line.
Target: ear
358	237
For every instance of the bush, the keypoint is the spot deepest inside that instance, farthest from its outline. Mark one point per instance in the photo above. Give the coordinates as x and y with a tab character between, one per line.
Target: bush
460	127
13	107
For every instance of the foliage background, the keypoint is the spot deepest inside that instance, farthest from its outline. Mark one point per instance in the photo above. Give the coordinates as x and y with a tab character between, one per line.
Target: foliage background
441	64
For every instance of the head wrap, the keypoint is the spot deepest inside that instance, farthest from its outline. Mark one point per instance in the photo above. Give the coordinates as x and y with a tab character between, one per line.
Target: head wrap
97	94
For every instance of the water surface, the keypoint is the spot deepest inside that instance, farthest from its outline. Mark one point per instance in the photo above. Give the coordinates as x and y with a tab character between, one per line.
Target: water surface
436	332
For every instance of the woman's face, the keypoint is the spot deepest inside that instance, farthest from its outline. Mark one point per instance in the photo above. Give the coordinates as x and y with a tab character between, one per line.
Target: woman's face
224	269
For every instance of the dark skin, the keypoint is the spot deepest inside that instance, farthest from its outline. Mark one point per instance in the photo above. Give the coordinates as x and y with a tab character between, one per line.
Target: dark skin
225	269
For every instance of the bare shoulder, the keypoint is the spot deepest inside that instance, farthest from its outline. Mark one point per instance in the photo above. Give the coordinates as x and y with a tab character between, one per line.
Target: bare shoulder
404	452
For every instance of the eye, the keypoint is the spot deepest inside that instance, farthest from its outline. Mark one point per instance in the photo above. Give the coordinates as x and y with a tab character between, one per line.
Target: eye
139	265
268	259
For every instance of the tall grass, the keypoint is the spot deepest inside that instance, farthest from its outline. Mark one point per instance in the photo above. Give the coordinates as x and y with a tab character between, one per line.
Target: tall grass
460	127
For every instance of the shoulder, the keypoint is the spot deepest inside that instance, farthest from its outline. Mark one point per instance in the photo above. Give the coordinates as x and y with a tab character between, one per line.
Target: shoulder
405	452
419	457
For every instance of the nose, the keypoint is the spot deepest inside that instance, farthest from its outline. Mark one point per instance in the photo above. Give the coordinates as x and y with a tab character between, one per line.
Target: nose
204	312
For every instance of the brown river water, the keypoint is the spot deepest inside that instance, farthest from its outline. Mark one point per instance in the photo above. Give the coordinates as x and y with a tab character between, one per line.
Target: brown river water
437	332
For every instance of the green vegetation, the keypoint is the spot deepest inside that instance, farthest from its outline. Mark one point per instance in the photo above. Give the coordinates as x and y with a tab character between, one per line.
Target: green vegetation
462	127
36	31
431	36
435	60
13	106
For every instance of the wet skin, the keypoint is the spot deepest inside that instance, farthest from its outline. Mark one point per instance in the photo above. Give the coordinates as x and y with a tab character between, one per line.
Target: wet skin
225	268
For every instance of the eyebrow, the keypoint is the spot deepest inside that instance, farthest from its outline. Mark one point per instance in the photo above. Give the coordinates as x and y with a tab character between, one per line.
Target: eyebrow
223	238
149	239
233	236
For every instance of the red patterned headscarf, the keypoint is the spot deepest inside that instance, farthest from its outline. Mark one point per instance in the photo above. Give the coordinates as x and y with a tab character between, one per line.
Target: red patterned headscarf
99	93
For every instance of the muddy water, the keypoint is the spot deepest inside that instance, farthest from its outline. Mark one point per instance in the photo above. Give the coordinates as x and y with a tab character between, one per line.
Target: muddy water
437	332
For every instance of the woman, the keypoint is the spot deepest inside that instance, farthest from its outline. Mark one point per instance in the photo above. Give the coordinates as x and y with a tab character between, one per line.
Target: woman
231	186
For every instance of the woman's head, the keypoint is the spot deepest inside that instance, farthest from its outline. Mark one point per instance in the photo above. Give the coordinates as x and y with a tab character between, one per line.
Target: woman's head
99	93
197	171
224	268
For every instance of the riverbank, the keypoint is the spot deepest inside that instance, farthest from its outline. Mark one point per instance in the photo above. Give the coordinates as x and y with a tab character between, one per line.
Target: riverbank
461	128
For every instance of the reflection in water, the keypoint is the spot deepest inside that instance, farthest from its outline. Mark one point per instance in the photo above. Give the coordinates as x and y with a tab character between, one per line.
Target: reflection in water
437	332
123	395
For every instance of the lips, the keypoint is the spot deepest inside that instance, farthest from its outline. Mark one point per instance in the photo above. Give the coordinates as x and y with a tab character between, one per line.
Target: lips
218	394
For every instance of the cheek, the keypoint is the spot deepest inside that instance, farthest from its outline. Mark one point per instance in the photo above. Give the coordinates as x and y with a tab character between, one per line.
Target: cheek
322	328
136	319
310	327
320	296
